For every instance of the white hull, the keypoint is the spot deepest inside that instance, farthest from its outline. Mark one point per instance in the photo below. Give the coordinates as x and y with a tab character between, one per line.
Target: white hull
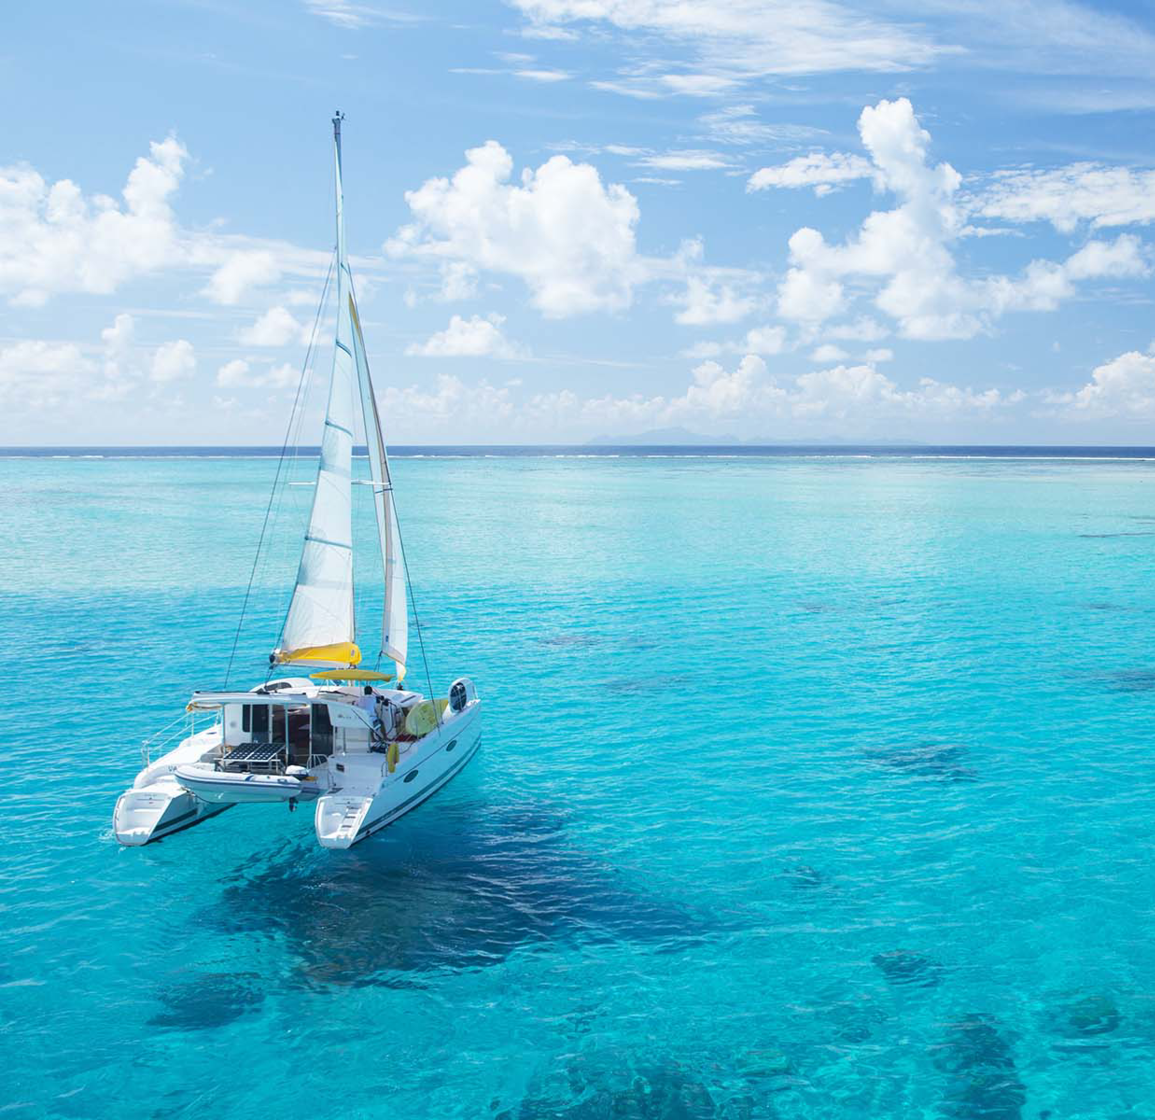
144	815
371	801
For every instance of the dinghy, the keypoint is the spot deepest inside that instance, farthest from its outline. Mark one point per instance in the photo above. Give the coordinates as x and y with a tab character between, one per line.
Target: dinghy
352	741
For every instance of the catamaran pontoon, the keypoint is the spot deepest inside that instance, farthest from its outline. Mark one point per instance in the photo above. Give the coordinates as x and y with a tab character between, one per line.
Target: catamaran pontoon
365	753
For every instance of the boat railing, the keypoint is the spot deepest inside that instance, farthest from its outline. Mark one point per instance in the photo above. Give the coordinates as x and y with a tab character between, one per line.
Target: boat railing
162	741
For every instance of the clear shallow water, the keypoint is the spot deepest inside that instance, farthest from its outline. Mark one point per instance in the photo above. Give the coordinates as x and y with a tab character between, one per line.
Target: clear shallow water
809	788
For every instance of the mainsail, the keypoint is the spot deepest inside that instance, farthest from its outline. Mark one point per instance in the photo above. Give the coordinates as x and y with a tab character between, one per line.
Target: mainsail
321	625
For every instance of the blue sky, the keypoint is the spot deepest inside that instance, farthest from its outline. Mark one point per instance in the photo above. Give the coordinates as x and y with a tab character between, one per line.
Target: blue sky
570	218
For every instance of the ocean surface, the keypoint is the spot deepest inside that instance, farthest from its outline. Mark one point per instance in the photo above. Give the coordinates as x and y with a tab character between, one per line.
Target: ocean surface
813	784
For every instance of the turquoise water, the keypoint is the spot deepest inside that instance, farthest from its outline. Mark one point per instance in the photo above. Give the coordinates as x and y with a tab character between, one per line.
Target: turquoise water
808	788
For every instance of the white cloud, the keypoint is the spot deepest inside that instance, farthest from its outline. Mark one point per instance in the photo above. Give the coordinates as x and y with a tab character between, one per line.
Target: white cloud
828	352
242	270
239	374
905	253
692	159
739	125
736	40
546	76
276	327
36	375
350	16
119	337
883	354
699	85
824	172
173	361
565	234
750	397
452	398
458	281
233	373
54	239
1124	387
1066	196
765	340
863	329
704	304
474	337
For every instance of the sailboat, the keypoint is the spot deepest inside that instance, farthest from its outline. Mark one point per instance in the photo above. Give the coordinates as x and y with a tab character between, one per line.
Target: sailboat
354	742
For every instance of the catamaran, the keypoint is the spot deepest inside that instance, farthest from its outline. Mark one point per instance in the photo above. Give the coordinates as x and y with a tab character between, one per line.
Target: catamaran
352	740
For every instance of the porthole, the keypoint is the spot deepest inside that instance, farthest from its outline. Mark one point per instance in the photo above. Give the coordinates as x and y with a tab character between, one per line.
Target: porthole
411	775
450	745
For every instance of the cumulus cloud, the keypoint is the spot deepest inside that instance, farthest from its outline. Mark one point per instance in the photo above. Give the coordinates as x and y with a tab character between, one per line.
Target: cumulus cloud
749	395
1124	387
452	397
906	255
239	374
174	361
276	327
242	270
1066	196
828	352
35	374
38	374
55	239
764	340
705	303
823	171
559	229
475	337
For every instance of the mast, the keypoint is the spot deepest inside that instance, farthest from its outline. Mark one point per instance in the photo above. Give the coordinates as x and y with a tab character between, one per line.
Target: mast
320	628
395	613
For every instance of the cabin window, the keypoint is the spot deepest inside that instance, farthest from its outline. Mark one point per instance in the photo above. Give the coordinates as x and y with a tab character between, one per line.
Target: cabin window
265	724
457	697
411	775
321	731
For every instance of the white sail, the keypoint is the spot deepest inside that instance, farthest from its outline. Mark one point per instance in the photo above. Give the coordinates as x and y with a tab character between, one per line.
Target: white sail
321	625
395	622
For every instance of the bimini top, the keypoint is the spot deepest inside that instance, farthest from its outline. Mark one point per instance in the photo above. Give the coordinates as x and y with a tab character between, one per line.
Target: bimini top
202	700
351	675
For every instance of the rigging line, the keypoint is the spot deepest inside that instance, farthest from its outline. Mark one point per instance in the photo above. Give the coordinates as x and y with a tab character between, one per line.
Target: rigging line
277	476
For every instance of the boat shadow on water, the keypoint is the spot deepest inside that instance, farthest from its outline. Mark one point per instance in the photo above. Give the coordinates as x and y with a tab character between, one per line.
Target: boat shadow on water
463	891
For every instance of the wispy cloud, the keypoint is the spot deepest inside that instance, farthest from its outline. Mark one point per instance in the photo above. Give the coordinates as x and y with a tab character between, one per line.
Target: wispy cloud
353	17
